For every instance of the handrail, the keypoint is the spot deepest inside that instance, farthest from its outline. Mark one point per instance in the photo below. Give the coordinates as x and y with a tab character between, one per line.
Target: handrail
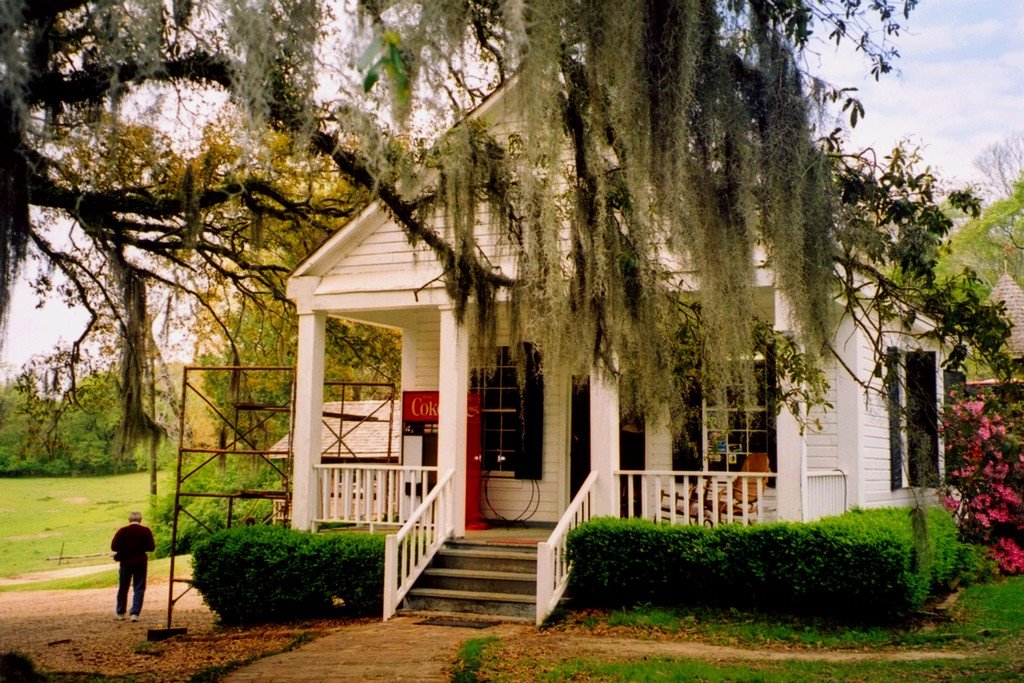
552	567
408	552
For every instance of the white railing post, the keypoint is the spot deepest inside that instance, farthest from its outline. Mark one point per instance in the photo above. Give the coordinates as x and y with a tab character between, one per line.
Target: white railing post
391	569
545	579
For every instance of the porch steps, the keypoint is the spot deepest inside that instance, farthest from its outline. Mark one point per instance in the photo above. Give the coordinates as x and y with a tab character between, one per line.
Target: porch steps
492	579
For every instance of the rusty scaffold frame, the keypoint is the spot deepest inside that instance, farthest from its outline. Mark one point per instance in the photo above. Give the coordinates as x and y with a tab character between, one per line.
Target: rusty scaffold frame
243	422
239	420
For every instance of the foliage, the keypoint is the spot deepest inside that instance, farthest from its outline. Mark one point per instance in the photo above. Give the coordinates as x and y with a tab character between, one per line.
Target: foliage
260	573
652	133
985	472
887	265
43	433
990	244
1002	163
859	564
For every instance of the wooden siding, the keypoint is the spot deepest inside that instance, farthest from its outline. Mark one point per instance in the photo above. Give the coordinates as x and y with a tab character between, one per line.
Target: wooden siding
822	431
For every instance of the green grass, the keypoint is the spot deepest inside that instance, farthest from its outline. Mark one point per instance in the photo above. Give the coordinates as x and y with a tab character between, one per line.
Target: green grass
469	659
984	669
39	516
986	630
985	613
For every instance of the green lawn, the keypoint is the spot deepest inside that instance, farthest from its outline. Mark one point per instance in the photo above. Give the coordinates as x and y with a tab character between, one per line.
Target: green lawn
39	516
986	627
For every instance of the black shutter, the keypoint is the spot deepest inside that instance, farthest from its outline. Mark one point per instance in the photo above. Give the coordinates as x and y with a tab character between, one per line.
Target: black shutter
922	419
954	382
892	381
771	407
531	414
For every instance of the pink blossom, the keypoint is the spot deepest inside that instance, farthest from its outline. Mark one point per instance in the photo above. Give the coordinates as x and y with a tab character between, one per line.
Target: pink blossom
1009	556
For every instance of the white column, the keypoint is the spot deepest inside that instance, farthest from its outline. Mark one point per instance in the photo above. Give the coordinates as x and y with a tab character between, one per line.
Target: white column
792	465
309	400
790	444
604	440
850	410
410	340
453	389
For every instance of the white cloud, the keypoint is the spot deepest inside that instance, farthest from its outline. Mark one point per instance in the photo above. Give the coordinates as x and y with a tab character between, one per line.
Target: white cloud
958	89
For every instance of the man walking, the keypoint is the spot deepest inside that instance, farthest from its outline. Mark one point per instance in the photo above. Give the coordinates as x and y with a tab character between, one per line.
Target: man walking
130	545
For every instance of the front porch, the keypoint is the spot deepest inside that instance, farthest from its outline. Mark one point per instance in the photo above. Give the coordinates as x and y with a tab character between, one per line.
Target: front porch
422	516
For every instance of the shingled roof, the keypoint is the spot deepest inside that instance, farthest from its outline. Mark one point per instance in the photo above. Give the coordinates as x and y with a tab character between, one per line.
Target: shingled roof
1010	294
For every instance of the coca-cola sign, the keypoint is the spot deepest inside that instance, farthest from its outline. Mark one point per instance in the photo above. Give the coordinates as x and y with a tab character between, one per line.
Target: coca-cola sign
420	406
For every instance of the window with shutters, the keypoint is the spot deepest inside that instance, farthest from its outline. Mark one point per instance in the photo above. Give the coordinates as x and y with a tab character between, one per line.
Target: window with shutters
913	404
511	416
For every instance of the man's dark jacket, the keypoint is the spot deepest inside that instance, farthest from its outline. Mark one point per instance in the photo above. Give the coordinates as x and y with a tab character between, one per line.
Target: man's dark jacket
131	543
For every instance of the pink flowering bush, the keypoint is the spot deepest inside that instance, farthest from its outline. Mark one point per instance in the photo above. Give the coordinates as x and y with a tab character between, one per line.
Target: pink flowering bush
985	475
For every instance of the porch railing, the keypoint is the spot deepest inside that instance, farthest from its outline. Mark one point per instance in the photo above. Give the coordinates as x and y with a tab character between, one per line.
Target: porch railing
408	552
682	497
826	494
552	567
375	495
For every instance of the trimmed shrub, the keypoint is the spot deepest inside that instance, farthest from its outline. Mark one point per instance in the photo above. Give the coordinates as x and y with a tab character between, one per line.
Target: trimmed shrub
262	573
860	564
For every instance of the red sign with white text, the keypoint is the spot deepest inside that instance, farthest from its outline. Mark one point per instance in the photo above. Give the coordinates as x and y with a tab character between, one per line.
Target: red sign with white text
419	406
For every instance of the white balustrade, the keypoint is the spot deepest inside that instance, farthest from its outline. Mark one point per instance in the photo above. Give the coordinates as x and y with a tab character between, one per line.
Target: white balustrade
408	552
375	495
552	566
685	497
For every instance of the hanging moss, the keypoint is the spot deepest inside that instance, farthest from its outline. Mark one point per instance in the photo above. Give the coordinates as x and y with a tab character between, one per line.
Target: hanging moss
656	144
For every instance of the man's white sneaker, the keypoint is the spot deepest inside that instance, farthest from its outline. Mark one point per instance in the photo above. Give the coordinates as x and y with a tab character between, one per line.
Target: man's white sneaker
135	617
120	617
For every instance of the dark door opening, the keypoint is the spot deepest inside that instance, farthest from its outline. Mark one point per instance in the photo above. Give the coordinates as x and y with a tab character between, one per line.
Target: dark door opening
579	439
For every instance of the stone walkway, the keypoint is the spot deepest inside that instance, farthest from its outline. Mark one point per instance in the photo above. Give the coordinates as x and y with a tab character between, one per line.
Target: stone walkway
401	649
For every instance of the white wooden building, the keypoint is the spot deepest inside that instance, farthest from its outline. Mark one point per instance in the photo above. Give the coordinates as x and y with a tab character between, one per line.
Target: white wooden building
583	462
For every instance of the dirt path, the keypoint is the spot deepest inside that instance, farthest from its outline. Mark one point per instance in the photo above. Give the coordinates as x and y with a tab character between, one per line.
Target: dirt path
75	631
51	574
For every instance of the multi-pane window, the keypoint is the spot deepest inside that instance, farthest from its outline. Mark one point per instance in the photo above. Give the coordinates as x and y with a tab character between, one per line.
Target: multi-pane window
723	430
741	424
511	414
500	403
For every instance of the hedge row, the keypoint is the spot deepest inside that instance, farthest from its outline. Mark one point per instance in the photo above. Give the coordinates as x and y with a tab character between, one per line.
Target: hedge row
260	573
862	563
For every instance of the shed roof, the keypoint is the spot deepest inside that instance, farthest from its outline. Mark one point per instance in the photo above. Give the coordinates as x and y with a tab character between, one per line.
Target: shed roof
1010	294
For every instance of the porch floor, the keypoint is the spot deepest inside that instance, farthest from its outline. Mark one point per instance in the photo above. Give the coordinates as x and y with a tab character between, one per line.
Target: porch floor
516	534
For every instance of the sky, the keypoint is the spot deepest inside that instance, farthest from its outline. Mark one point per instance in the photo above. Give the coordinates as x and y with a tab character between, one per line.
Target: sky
959	87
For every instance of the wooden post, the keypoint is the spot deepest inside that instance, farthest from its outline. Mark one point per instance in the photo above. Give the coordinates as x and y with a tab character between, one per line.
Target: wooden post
309	400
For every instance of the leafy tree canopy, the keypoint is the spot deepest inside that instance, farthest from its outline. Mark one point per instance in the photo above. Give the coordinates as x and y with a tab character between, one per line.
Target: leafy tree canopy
659	142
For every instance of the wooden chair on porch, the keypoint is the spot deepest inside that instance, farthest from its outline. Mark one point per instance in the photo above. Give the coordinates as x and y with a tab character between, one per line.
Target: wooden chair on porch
746	491
688	504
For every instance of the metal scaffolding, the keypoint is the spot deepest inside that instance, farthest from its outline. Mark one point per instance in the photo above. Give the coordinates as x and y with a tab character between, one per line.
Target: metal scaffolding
237	415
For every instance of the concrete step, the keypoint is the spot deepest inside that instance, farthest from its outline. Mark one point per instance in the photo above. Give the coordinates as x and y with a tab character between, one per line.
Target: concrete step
479	581
505	605
486	559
